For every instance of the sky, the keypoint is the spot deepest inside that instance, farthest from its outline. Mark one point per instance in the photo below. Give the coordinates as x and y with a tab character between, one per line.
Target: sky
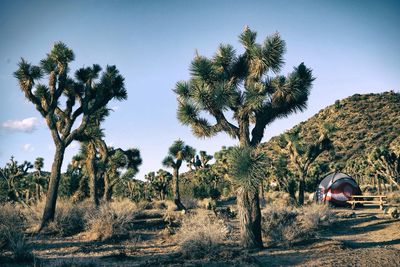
352	47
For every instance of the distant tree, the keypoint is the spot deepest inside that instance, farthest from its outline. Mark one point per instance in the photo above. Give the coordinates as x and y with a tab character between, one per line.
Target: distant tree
94	150
14	174
386	163
90	90
178	153
159	182
121	165
39	163
241	86
302	154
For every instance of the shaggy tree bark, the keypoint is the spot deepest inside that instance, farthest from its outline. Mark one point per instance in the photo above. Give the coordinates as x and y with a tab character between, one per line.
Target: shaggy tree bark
50	206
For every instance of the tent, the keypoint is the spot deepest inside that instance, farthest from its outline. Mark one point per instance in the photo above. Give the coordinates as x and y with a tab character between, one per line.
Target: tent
336	188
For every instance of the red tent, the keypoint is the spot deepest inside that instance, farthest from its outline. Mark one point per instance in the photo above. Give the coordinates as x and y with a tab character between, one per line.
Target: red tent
336	188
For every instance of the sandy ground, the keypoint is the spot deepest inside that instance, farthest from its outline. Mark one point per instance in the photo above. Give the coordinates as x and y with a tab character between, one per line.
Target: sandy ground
369	238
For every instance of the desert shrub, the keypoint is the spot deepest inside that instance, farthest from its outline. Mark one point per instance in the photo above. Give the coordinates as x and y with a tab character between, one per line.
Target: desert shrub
394	197
69	218
279	225
285	225
142	205
278	198
201	234
110	221
12	226
189	203
315	215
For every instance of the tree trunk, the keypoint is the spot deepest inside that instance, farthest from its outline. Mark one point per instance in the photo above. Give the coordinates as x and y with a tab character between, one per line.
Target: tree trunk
90	167
302	184
51	198
107	190
177	197
249	218
37	187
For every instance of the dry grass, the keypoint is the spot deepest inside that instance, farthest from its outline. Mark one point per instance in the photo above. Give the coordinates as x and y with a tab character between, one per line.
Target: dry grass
394	197
189	203
285	225
12	227
110	221
201	234
278	198
69	218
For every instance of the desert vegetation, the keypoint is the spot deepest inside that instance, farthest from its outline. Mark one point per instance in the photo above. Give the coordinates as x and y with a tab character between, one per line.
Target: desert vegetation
243	205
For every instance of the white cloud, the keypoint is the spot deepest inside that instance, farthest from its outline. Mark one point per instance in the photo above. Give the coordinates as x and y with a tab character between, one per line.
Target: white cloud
28	148
115	108
27	125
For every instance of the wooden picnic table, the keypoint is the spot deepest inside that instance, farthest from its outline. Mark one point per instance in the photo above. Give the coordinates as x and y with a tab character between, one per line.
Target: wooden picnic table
367	199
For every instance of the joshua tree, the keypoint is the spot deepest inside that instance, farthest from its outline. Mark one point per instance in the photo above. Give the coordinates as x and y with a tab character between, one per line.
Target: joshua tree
13	173
88	90
241	86
178	153
159	182
386	163
118	161
303	154
39	163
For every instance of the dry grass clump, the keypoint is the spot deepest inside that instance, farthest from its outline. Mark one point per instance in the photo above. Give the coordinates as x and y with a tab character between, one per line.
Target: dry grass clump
314	216
110	221
278	198
201	234
394	197
69	218
285	225
189	203
12	227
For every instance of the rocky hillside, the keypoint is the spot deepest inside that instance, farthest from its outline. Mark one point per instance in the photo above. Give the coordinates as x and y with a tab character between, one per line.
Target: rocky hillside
363	122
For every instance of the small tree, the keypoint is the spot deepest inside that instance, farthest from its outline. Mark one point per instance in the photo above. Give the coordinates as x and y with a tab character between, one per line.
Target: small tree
121	165
89	90
39	163
386	163
178	153
14	173
303	154
159	182
241	86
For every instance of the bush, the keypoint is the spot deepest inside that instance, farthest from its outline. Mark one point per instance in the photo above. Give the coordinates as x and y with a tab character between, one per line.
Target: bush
201	234
12	226
314	216
111	221
394	197
284	225
279	225
69	218
189	203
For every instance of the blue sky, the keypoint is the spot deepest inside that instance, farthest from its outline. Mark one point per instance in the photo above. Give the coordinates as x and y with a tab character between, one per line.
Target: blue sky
352	46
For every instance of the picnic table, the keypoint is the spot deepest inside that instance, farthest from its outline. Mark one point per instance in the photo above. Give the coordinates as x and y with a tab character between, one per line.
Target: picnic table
380	200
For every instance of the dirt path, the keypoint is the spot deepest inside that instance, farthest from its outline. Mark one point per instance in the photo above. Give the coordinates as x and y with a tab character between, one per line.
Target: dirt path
368	239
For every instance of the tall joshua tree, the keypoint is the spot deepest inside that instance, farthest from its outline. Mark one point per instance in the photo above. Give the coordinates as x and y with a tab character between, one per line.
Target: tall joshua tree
243	86
178	153
63	100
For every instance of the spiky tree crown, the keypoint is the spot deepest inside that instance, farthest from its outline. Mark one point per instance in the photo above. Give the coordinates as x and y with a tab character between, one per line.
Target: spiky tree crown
241	86
177	153
90	88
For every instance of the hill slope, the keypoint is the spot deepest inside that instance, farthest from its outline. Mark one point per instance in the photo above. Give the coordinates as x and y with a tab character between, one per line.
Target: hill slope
363	122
